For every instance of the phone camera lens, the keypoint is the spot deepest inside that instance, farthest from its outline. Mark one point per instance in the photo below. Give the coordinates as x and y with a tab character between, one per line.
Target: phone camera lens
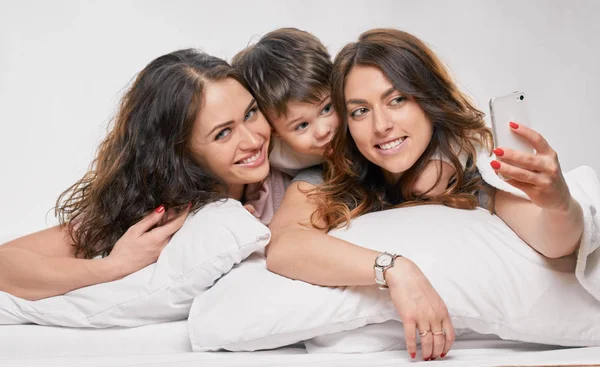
522	97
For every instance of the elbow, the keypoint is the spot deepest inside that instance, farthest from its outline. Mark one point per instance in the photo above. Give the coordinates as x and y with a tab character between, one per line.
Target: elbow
273	255
557	253
19	292
272	264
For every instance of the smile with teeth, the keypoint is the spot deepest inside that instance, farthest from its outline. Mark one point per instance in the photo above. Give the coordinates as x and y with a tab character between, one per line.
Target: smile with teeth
251	159
390	144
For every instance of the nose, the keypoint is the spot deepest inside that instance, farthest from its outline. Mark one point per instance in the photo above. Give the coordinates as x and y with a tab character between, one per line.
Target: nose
249	139
323	130
381	124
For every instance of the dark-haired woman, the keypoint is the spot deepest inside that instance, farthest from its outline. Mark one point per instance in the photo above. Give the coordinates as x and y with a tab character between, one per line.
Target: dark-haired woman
187	133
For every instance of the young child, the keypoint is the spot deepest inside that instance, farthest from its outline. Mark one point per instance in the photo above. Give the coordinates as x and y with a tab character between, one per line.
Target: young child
288	73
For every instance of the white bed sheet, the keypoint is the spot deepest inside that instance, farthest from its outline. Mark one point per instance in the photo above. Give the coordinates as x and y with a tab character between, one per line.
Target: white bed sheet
481	357
168	345
34	341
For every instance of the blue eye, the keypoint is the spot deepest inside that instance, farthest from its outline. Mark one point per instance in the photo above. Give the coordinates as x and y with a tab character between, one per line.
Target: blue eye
358	112
327	109
397	100
301	126
251	113
223	134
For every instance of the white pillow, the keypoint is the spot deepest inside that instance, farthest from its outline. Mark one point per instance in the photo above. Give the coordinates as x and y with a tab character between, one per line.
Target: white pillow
208	245
491	281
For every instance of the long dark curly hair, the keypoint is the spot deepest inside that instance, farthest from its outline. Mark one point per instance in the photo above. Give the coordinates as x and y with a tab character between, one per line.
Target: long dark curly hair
353	185
145	160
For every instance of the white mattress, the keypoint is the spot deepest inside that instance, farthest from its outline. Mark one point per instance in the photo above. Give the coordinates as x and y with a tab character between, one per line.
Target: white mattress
168	345
33	341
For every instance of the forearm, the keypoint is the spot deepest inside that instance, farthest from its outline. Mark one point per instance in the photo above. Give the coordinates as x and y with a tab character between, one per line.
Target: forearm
559	232
553	233
315	257
32	276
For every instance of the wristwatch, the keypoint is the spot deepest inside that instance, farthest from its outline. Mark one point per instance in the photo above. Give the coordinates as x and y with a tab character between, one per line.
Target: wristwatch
382	263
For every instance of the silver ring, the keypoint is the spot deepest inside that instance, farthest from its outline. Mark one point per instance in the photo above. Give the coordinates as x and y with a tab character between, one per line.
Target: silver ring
441	332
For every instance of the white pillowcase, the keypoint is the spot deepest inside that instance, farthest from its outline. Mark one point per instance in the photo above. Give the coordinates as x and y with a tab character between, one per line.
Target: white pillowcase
208	245
491	281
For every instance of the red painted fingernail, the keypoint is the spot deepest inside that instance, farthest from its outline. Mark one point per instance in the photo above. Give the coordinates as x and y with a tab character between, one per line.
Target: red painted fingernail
499	152
443	355
160	209
413	355
495	164
433	359
514	125
426	359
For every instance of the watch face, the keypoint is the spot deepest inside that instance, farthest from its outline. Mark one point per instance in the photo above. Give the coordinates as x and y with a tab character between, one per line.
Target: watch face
384	260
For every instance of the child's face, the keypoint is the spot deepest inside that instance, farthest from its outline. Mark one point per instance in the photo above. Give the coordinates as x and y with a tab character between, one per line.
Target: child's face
308	127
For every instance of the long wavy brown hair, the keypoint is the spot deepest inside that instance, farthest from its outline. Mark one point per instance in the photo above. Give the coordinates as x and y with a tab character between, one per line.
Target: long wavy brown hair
145	160
353	185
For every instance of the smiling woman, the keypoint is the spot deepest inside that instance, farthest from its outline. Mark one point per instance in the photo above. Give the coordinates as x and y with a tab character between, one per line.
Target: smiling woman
234	150
398	107
187	133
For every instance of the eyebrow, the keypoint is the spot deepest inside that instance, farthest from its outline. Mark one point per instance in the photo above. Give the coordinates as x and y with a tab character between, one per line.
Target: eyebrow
227	123
363	101
291	122
324	98
302	117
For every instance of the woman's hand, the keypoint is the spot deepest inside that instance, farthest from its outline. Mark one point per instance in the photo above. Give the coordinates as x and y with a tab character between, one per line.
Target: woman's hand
143	242
538	175
420	308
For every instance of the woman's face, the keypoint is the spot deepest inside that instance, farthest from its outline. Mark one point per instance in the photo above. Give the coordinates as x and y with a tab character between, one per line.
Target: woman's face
390	130
231	136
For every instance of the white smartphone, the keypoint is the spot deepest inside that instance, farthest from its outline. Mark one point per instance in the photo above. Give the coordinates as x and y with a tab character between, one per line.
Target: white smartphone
504	109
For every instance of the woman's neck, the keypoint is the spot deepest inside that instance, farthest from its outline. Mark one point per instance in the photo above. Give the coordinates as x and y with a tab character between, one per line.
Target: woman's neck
237	191
391	178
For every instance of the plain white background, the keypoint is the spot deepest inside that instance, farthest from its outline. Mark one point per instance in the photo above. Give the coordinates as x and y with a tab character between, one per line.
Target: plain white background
64	65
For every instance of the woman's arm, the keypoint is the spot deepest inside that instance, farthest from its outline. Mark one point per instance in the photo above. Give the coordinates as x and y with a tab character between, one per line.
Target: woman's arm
30	275
43	264
553	233
552	222
302	252
299	251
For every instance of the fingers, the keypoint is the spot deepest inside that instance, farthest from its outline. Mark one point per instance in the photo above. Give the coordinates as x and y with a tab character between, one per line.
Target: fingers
509	171
532	162
534	138
169	214
450	336
426	340
410	335
439	341
148	221
168	229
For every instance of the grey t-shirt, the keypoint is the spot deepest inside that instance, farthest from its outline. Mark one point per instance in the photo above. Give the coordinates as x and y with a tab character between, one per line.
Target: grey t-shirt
313	175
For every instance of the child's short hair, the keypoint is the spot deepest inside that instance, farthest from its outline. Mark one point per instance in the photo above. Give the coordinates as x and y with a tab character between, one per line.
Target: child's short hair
286	64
